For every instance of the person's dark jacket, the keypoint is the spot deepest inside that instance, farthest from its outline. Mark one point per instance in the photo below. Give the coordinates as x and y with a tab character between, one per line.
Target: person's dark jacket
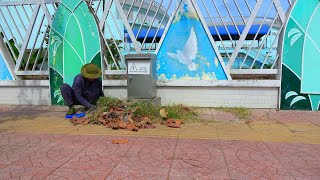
87	92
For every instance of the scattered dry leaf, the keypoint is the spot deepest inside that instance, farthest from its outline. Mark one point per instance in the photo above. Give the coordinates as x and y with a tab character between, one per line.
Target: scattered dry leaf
132	127
178	122
113	125
163	113
86	121
82	120
173	123
122	125
120	141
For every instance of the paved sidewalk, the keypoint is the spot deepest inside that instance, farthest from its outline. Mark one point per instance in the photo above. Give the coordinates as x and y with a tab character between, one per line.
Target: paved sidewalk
38	143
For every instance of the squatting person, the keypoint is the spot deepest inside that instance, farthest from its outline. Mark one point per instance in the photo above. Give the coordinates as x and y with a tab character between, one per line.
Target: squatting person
86	89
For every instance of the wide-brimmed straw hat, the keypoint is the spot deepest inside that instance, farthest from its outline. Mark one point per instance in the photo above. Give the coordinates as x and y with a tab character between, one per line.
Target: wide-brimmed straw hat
91	71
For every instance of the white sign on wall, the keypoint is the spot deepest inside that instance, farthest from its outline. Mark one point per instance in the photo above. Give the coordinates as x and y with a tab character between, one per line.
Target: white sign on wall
138	68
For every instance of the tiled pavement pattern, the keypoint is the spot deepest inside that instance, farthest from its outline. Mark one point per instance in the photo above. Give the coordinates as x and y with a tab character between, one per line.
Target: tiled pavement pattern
38	144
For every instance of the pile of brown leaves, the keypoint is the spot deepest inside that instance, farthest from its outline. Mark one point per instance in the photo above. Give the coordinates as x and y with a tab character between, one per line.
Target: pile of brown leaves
116	114
119	118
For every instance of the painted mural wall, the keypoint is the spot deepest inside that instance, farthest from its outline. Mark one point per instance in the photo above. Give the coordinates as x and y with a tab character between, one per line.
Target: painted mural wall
4	71
74	41
300	86
186	52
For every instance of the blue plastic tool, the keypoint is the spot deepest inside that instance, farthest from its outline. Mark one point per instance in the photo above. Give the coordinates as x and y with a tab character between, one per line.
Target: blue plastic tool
78	115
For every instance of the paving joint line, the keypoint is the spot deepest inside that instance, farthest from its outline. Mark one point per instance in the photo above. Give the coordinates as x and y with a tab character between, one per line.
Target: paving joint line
264	143
174	154
72	157
121	157
223	154
308	120
27	155
315	148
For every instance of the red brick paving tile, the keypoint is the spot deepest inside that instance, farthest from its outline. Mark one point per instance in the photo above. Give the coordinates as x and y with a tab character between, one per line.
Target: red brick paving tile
152	149
18	172
301	160
147	158
14	146
260	114
311	116
317	147
287	116
223	116
252	160
135	168
104	147
181	177
62	173
101	155
56	153
199	159
140	176
31	140
207	117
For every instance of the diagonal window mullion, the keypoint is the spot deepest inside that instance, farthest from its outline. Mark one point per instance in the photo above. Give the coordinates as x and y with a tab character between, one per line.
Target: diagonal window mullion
163	17
144	18
34	44
41	48
230	15
19	16
256	35
242	17
154	17
215	27
263	41
8	44
273	44
115	43
138	13
221	18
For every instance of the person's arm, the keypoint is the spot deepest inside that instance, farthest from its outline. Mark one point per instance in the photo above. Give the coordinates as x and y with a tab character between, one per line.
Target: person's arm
78	86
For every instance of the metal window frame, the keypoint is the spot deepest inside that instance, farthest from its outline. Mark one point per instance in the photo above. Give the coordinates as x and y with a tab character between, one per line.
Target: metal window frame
36	6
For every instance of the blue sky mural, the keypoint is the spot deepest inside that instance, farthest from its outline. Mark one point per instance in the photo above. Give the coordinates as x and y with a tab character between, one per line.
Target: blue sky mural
186	52
4	72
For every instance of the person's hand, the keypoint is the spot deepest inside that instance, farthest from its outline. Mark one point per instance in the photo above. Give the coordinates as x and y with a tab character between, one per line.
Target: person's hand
92	108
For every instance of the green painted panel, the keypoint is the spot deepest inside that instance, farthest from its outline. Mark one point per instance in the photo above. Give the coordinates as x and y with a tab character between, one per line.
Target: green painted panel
314	28
315	99
303	11
300	87
291	84
56	51
294	43
87	23
55	82
74	41
310	75
60	20
72	66
97	58
75	38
